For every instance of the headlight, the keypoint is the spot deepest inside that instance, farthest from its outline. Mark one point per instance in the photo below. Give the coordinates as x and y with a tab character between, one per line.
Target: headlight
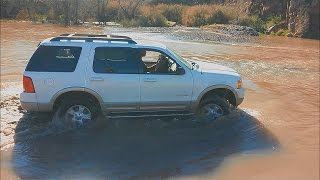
239	84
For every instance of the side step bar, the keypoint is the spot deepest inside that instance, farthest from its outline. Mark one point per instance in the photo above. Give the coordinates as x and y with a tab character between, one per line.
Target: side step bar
145	115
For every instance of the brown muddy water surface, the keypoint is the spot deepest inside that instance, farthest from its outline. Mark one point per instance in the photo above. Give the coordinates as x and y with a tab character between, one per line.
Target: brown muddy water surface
274	134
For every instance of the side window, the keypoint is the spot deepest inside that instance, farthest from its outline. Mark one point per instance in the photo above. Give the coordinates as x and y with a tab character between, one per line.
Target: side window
115	60
155	62
54	59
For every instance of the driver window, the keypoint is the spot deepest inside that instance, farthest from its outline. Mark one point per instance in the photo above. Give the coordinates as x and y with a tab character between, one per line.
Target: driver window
155	62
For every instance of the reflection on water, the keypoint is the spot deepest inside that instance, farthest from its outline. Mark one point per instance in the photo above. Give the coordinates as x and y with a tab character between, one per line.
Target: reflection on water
135	148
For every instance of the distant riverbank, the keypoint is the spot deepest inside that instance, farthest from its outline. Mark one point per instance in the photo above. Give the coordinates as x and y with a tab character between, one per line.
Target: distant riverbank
218	33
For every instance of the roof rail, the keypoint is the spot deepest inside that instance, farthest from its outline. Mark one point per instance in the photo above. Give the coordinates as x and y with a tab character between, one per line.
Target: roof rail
93	37
96	35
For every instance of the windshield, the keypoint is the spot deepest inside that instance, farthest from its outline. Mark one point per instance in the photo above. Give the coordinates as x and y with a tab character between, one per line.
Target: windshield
185	62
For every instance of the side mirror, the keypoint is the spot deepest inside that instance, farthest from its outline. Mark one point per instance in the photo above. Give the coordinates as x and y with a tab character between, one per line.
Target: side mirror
180	70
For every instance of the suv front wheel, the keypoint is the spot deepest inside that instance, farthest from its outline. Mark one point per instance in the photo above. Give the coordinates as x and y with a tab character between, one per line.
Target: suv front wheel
212	108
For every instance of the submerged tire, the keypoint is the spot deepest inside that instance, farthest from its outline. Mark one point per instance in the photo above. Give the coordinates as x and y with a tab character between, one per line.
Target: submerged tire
212	108
78	113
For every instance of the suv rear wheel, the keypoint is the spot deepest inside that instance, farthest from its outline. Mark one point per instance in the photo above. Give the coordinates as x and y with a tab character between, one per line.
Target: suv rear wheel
78	113
212	108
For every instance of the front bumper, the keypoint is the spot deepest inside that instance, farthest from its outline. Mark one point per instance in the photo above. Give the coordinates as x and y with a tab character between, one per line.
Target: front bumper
239	101
240	96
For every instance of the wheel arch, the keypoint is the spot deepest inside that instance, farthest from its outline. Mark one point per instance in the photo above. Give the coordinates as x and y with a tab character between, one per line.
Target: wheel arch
221	90
78	91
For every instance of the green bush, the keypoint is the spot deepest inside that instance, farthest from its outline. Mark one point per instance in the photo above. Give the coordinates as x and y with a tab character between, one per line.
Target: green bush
274	20
218	18
23	15
39	17
52	15
61	20
255	22
173	13
282	32
152	20
129	23
199	19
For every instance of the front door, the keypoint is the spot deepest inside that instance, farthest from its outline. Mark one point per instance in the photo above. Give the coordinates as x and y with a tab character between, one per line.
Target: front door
164	85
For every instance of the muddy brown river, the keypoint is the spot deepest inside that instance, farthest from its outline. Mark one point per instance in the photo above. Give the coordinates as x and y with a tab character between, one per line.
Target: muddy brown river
274	134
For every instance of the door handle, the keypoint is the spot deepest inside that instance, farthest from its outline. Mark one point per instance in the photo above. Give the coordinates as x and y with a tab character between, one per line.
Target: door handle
96	79
150	80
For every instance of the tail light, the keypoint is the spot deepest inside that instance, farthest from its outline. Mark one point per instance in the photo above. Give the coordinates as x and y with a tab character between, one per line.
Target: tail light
28	85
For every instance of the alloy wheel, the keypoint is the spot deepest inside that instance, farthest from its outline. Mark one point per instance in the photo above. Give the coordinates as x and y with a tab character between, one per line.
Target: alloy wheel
78	115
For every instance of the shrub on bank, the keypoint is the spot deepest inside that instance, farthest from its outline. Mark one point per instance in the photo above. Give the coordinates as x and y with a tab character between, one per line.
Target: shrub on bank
52	16
158	15
112	12
199	19
23	15
274	20
173	13
214	13
255	22
129	22
282	32
218	17
152	20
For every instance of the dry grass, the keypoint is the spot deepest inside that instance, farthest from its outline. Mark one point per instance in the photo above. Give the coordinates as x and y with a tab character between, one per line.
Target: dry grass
189	14
147	10
195	15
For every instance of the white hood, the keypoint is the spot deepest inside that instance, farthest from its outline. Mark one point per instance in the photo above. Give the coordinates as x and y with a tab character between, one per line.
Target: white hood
205	66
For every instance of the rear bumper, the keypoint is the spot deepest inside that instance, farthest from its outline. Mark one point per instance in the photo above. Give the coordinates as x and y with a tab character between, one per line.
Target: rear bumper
29	106
30	102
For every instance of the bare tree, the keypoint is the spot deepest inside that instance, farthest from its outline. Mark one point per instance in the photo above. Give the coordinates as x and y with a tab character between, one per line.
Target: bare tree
130	7
101	10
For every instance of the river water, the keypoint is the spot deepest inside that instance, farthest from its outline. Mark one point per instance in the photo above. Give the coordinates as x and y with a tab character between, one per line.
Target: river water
274	134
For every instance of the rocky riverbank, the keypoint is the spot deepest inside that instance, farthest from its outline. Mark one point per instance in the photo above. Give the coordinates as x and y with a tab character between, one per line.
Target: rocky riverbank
216	33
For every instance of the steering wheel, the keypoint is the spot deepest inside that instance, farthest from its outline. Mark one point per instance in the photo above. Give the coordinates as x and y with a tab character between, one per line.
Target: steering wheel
158	63
170	63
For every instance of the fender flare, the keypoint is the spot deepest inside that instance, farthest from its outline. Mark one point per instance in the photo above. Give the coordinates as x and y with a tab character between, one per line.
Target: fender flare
196	103
77	89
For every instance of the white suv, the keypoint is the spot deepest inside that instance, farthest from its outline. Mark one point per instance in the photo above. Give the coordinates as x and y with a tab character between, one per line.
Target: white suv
84	74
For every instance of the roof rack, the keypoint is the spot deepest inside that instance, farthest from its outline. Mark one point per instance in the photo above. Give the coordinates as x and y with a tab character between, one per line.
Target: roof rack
94	37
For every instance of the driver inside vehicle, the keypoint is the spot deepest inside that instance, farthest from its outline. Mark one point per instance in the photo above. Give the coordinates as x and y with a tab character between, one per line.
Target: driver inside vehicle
161	66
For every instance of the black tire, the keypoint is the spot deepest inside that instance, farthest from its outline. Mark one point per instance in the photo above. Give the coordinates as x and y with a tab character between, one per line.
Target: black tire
73	102
221	105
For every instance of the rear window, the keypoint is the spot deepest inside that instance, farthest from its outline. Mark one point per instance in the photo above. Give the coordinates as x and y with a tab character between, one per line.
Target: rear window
54	59
115	60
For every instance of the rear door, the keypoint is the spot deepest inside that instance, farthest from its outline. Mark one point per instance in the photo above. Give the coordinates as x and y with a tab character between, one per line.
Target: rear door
113	73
